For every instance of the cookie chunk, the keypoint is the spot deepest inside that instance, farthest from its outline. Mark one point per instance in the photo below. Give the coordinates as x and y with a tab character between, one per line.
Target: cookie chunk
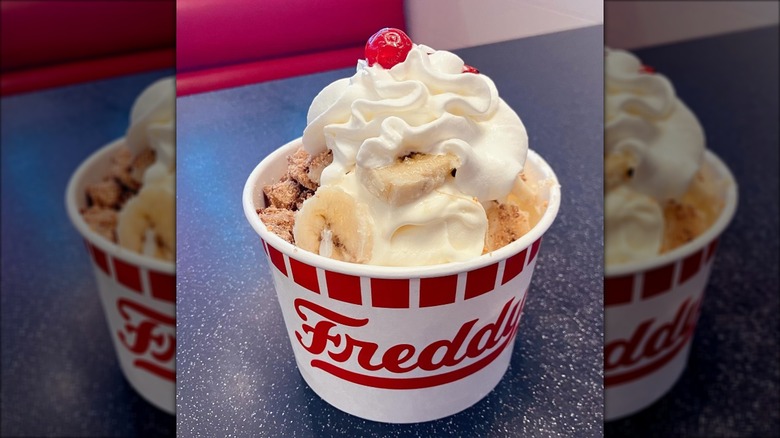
318	163
286	197
102	220
506	223
279	221
283	194
683	223
106	193
120	169
306	169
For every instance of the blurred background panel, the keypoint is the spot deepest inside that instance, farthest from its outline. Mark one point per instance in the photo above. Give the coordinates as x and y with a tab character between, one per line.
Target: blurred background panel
722	59
70	72
637	24
54	43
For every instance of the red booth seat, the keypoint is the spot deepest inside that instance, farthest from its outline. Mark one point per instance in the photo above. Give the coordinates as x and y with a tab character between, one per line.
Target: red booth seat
228	43
54	43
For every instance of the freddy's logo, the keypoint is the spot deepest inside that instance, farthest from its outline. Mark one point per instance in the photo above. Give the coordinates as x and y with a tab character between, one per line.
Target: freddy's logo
656	344
145	331
335	338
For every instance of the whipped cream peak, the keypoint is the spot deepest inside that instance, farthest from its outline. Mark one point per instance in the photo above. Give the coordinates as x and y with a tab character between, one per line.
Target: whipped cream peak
654	148
646	119
442	226
635	90
153	126
634	227
425	104
149	216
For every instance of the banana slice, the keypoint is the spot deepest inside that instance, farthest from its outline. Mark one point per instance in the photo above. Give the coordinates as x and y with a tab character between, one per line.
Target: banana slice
409	178
147	222
332	224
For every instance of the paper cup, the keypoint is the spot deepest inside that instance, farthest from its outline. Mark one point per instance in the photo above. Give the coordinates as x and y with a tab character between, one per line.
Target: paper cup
651	310
400	345
138	295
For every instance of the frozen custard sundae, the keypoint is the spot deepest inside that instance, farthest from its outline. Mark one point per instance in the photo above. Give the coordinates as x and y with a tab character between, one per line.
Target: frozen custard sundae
414	160
658	193
134	204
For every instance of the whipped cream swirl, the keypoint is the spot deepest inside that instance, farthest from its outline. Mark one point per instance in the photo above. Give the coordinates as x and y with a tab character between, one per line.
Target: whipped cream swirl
645	118
425	104
663	144
153	126
150	215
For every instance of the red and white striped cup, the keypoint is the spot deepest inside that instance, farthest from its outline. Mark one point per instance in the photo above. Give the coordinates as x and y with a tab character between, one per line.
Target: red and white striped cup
138	294
650	313
400	345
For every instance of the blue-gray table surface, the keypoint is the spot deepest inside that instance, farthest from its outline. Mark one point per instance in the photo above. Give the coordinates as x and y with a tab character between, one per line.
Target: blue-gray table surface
236	372
60	375
731	386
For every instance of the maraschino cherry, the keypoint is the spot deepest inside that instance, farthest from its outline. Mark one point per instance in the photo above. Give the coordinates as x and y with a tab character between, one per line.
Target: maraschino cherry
646	69
469	69
388	47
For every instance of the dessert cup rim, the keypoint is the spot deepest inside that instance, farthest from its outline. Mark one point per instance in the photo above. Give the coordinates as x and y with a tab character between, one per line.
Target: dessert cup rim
715	230
380	271
111	248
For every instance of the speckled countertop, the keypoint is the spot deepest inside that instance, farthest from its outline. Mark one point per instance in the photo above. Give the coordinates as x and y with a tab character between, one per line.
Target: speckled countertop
60	374
236	372
731	386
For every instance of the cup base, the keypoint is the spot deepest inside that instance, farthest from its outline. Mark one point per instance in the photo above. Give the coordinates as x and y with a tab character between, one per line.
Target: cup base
162	402
426	405
157	390
621	401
